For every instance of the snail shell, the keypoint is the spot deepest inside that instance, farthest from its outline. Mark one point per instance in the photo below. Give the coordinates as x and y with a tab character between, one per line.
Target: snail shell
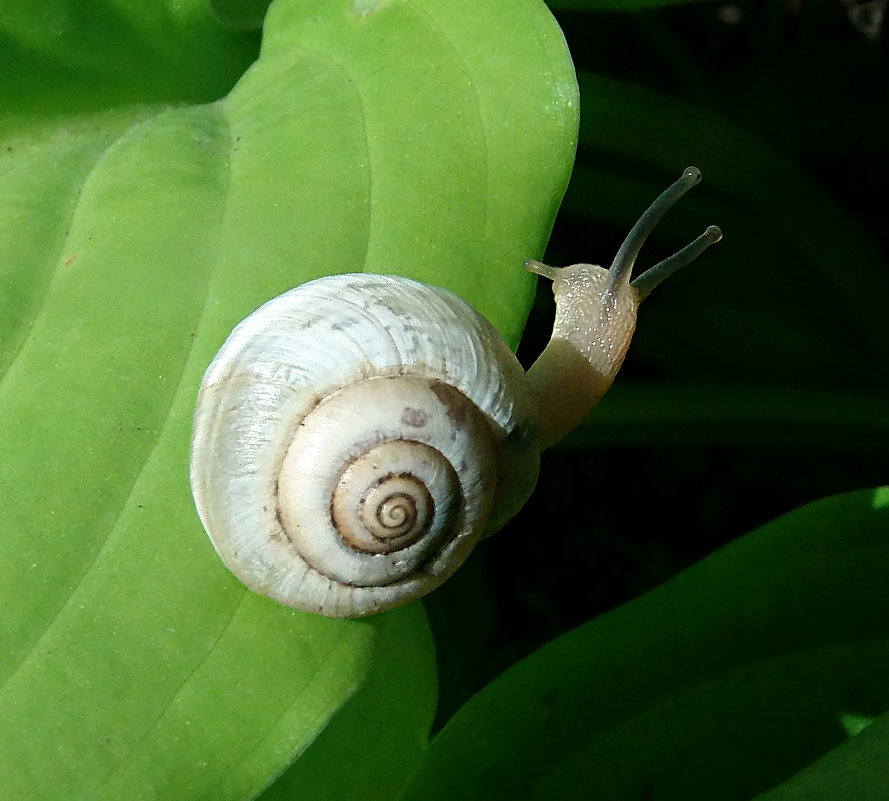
356	436
350	438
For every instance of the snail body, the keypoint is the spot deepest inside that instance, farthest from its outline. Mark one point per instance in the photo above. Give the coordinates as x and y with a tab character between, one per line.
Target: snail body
356	436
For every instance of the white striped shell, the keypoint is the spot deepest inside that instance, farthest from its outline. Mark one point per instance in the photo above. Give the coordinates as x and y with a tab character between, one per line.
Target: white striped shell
354	438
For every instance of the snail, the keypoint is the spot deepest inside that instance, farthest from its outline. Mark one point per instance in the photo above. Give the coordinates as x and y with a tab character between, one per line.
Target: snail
355	437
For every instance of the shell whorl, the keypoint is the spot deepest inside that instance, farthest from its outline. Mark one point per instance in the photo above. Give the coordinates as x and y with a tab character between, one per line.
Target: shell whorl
349	439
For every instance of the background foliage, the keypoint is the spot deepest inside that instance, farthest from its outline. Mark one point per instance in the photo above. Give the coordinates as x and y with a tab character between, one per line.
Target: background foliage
141	218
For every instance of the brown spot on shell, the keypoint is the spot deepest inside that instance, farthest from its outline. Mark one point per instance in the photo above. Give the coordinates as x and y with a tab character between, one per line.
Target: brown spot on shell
414	418
458	405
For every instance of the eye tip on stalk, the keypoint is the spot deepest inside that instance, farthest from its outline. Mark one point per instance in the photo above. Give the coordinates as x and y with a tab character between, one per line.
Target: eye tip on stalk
538	267
691	176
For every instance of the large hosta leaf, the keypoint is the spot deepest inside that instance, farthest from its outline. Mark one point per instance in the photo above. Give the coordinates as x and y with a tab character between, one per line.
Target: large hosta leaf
719	684
69	55
432	139
856	769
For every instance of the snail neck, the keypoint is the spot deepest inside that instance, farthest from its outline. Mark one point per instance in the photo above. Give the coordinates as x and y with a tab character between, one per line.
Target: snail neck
596	317
594	323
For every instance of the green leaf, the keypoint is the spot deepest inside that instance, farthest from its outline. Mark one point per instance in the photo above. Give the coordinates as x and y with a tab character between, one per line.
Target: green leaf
387	137
374	744
719	684
71	56
856	769
240	14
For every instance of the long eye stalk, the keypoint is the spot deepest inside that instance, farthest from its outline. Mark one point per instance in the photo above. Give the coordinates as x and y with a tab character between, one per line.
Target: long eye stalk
622	266
664	269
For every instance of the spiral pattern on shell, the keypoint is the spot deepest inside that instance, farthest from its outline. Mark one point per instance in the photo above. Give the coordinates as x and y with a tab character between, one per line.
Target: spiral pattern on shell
349	441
